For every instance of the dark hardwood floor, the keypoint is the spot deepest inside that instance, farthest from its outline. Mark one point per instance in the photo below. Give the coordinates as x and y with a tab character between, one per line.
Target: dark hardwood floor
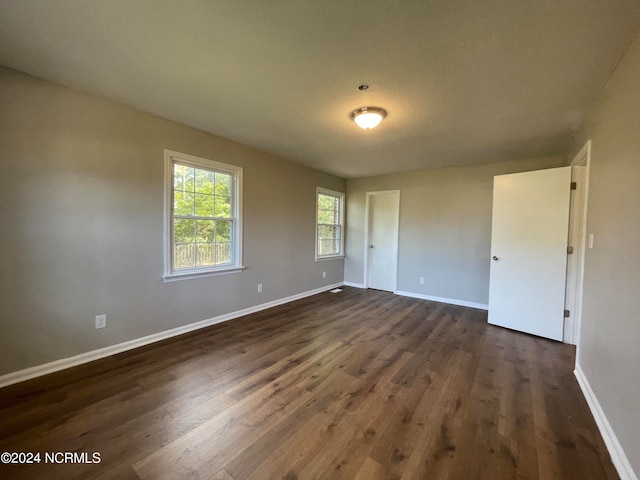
357	385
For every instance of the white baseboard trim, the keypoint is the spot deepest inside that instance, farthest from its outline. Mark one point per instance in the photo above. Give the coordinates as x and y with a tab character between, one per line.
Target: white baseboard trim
451	301
355	285
64	363
618	456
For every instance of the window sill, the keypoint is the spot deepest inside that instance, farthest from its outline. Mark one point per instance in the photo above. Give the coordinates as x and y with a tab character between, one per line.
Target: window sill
174	277
332	257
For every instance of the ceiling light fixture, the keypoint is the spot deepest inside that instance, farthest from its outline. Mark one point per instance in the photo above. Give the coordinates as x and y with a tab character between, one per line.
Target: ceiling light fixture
368	117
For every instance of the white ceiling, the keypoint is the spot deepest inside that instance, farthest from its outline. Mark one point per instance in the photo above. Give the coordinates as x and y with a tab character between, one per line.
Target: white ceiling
464	81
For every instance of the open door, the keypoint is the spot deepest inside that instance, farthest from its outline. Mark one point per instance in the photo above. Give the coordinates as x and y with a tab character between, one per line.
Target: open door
529	251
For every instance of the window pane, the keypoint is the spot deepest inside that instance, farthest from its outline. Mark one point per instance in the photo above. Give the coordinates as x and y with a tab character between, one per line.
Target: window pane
204	181
178	176
183	255
223	184
324	231
328	239
205	254
327	246
204	205
223	232
222	207
205	230
223	253
183	178
183	230
324	202
326	216
182	203
328	202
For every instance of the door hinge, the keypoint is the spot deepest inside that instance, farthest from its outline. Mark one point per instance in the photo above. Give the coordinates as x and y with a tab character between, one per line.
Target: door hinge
569	250
566	313
574	186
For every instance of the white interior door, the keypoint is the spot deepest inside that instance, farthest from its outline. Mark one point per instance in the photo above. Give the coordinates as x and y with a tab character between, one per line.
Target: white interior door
382	245
529	251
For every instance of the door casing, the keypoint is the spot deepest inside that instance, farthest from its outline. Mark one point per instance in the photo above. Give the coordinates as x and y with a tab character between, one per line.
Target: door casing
575	265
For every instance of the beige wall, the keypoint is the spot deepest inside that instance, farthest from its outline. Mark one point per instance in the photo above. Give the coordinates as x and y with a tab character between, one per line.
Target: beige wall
81	205
609	346
445	227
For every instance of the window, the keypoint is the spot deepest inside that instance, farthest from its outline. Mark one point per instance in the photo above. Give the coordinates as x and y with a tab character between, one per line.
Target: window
203	231
329	224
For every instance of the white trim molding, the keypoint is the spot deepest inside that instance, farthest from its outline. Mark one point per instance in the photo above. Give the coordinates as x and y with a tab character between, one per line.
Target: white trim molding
354	285
64	363
451	301
618	457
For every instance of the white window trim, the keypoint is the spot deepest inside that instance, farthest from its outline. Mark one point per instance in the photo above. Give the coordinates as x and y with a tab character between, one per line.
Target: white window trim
341	195
236	172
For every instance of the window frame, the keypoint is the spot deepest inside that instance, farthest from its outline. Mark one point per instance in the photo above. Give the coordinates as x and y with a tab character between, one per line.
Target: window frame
341	197
170	159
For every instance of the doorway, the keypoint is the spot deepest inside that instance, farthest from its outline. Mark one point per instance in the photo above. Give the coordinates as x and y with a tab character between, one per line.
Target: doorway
532	269
381	234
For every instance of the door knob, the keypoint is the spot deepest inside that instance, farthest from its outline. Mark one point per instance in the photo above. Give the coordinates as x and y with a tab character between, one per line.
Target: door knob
370	246
495	258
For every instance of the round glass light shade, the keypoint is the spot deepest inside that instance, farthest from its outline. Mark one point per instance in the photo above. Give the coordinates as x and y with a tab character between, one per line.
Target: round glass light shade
368	117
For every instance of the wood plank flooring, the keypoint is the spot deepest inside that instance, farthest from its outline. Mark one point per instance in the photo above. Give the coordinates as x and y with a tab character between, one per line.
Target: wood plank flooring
360	385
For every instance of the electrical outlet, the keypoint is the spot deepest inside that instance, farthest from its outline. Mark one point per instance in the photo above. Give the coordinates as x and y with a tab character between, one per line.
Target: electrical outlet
101	321
421	280
324	274
259	288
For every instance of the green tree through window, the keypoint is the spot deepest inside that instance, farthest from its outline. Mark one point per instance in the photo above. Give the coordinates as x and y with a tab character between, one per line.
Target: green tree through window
202	217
